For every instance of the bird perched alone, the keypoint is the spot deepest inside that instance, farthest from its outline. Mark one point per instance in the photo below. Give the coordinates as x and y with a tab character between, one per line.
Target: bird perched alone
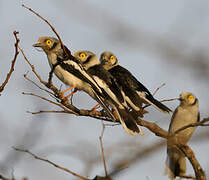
69	70
135	92
113	94
186	113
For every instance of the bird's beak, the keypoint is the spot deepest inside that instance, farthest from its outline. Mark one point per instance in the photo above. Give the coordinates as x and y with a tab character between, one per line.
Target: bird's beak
104	60
37	45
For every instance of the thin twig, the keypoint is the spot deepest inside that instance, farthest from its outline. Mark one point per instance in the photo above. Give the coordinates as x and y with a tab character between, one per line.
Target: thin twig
32	66
49	92
172	99
52	102
158	89
13	62
102	148
187	177
201	123
52	163
164	100
52	111
53	29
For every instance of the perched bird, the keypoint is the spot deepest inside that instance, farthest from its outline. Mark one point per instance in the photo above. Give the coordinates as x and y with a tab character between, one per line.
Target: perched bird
113	94
186	113
69	70
135	92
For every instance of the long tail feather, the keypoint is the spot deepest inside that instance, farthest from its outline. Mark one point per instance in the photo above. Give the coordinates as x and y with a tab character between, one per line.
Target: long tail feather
151	100
128	122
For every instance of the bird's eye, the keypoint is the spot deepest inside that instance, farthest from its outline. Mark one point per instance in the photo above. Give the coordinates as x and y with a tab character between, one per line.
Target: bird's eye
112	59
48	42
82	55
190	97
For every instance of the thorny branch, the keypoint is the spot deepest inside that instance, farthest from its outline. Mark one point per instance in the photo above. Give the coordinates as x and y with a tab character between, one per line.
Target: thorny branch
13	62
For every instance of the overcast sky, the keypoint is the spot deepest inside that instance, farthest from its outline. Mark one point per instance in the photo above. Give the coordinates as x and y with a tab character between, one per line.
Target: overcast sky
158	41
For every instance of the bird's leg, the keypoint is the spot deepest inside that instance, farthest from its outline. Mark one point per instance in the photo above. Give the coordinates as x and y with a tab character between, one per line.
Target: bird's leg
95	107
68	90
143	111
75	90
115	114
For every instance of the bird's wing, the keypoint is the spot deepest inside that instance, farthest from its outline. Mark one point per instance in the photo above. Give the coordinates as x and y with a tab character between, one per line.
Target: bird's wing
127	79
107	82
77	70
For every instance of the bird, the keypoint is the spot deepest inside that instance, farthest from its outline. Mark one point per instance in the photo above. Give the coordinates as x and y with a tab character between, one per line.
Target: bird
186	113
113	94
69	70
135	92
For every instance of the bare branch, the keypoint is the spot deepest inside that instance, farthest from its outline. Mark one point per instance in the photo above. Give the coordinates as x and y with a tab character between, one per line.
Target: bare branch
52	111
164	100
50	162
52	102
157	130
102	148
158	89
13	62
49	92
53	29
187	177
200	123
199	173
32	66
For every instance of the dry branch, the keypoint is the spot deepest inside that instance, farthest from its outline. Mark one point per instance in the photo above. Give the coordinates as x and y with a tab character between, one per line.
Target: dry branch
102	148
199	173
50	162
200	123
13	62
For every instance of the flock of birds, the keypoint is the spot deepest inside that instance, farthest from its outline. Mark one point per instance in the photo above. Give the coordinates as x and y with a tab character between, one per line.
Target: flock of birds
120	94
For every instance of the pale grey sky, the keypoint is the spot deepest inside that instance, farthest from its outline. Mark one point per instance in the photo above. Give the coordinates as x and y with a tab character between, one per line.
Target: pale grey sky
142	34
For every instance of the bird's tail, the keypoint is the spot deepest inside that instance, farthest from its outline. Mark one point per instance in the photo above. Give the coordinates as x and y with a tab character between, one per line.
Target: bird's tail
160	106
102	103
128	122
175	163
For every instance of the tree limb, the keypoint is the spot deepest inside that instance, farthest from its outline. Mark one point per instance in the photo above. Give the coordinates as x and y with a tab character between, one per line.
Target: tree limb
13	62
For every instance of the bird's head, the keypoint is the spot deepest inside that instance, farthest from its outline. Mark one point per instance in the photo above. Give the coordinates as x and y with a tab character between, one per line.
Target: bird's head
87	58
108	60
48	44
187	98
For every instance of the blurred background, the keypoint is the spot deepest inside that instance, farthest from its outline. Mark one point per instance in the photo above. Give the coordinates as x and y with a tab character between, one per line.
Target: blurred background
158	41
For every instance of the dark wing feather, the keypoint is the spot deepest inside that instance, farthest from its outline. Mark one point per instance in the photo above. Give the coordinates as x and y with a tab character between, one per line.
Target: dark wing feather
70	68
125	78
104	75
130	84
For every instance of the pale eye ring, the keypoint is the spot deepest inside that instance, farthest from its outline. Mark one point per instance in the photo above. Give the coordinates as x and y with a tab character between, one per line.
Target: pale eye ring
48	42
82	55
112	58
191	97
